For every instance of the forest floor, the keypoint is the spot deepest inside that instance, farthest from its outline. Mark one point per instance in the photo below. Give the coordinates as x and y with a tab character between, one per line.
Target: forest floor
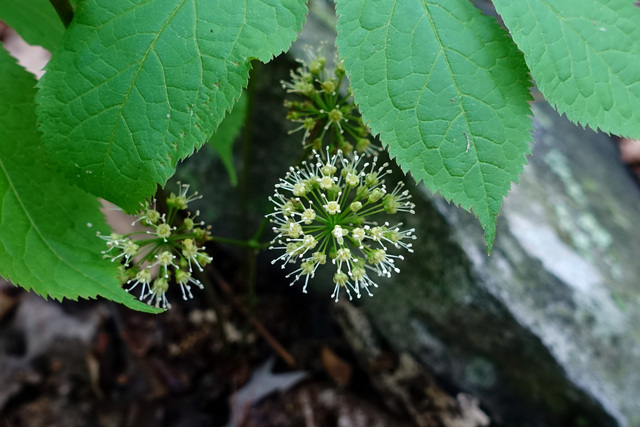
281	361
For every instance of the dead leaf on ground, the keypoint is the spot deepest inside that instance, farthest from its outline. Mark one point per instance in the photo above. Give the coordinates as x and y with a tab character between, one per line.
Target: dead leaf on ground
338	369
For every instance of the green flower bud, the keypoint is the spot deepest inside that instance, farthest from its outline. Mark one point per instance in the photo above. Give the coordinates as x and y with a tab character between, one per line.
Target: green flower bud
293	116
335	116
189	224
328	170
340	71
362	192
340	278
309	123
371	179
362	144
390	204
164	231
317	65
304	88
346	147
328	86
375	195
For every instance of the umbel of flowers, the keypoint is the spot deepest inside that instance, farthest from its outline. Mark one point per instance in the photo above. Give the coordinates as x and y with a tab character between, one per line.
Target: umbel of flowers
325	114
171	247
323	215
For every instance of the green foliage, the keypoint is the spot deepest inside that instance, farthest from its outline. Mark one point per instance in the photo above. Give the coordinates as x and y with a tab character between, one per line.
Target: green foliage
35	20
47	226
446	89
584	56
134	86
145	83
223	138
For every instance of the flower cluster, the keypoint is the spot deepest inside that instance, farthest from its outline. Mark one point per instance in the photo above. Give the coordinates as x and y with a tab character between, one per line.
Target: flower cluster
323	210
172	245
323	113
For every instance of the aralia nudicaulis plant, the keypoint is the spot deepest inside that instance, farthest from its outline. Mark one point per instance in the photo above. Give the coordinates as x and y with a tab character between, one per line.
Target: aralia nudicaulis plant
330	208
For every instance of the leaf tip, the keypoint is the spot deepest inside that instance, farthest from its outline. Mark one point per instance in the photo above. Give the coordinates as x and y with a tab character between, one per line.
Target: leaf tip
490	235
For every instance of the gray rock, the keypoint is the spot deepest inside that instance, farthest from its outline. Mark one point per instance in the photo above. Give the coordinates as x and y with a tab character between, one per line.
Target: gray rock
544	330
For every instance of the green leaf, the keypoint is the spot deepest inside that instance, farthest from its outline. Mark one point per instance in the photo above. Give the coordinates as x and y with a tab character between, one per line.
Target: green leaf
35	20
223	138
584	56
138	85
446	89
48	239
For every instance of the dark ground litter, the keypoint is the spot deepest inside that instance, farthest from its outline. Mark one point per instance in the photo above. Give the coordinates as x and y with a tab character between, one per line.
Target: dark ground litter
93	363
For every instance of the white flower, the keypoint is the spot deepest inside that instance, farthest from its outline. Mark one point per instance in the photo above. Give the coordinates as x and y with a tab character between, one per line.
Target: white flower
149	215
114	240
333	214
163	231
339	233
165	259
191	253
181	200
183	278
171	241
159	293
143	278
326	182
308	216
358	234
332	207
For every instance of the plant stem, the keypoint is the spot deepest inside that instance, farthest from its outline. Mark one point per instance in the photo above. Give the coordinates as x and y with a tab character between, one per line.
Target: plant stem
244	243
64	10
253	246
256	237
246	151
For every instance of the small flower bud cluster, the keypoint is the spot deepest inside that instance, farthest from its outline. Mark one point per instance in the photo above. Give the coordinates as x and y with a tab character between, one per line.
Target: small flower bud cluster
172	245
323	210
325	115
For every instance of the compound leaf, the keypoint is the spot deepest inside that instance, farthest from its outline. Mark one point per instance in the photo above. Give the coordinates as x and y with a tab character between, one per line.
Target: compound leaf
48	227
136	86
584	56
35	20
447	90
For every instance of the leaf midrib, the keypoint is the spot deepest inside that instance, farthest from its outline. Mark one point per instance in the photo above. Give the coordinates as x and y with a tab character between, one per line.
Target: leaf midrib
460	103
119	114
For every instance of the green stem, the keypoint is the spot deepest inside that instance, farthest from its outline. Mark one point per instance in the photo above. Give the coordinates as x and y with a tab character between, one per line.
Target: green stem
246	150
253	244
64	10
256	237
